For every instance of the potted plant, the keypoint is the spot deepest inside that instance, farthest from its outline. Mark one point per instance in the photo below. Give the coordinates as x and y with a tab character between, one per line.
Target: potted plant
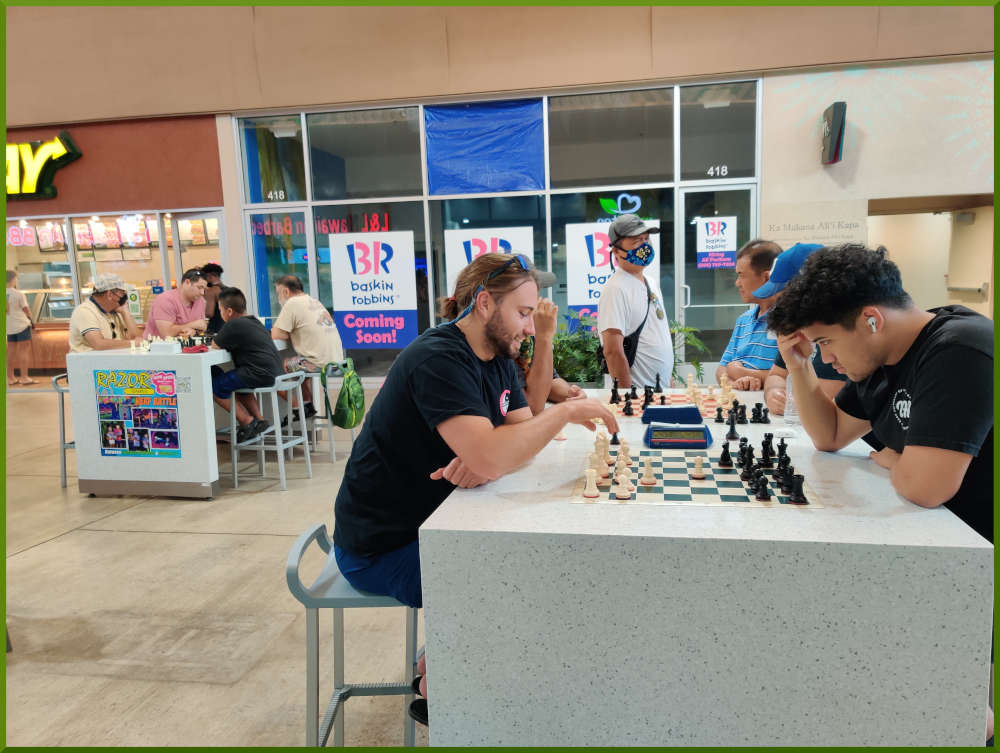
689	336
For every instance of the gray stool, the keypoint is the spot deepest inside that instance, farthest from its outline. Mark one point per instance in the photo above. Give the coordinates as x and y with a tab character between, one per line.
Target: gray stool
281	443
61	390
332	591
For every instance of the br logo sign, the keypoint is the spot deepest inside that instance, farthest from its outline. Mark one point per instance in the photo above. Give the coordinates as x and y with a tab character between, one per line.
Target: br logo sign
476	247
369	259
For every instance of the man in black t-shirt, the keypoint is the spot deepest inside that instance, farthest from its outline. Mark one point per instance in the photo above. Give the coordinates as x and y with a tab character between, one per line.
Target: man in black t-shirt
920	381
255	359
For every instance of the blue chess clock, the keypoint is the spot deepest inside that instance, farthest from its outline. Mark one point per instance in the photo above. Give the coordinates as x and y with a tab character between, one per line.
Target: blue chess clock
682	436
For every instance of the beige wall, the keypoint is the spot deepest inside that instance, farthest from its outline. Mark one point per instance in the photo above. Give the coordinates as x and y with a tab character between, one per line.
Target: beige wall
921	129
918	244
72	64
971	260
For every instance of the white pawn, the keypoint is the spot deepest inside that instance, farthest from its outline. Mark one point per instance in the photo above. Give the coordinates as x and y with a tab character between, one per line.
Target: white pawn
648	477
598	465
698	472
628	456
621	490
590	490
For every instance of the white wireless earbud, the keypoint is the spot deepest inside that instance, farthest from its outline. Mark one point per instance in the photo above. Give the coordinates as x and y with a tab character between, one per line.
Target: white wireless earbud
873	324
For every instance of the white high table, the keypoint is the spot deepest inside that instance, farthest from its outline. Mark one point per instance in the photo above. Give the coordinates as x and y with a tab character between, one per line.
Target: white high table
195	473
865	622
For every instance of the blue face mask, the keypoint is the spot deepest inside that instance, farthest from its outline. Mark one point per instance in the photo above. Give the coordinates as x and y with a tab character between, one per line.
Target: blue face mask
640	255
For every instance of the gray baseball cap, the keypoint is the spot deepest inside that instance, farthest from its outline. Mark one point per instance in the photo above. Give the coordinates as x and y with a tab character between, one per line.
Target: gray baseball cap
626	226
108	281
545	279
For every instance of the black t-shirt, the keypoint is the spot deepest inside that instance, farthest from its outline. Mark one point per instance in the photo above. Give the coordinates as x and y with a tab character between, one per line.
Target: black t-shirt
256	359
940	394
387	491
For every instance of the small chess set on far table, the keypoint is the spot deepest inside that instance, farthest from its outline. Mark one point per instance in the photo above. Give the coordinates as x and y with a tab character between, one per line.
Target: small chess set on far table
170	345
708	399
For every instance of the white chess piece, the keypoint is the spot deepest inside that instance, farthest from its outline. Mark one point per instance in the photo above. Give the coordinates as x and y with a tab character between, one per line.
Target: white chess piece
621	490
590	491
648	477
698	472
599	465
131	348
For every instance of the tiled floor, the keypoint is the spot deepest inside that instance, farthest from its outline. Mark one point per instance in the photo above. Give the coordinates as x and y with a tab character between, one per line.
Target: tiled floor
141	621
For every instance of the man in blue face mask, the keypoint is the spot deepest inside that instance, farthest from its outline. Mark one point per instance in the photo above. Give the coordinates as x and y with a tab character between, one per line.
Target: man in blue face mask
634	328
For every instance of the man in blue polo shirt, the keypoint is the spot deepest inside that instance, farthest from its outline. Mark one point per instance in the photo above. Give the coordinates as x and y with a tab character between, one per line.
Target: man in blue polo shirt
751	350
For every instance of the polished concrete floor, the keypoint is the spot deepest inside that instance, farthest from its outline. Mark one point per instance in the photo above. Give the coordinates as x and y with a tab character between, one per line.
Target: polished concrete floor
140	621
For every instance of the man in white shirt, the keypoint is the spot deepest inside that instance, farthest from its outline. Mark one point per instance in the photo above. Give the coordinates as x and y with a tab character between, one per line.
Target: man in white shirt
634	328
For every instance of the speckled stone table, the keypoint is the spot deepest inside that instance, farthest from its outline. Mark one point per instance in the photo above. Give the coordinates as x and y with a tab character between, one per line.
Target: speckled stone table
864	622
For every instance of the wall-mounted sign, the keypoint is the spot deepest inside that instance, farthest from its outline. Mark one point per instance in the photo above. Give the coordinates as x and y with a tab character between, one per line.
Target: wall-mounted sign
716	242
462	246
374	288
31	166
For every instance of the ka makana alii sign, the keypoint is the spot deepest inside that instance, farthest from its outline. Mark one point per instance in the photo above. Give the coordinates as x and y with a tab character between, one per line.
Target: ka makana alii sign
31	166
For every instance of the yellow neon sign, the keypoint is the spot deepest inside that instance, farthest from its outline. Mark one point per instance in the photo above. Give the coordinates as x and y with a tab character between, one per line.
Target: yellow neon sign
31	166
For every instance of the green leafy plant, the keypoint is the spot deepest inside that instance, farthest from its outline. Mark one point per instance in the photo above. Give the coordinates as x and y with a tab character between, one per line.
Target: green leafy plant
689	336
574	349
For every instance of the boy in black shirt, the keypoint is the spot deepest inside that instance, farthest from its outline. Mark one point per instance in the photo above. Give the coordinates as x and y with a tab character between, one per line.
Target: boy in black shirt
255	359
920	381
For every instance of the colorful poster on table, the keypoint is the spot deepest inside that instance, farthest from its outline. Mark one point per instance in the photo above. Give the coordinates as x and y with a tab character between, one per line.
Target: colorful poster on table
588	263
462	246
374	288
716	242
137	413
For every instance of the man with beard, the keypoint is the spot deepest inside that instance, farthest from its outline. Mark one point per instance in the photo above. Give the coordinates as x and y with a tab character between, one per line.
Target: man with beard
450	414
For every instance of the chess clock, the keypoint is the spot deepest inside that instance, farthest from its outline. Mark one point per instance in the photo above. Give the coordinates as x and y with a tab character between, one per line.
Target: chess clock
679	436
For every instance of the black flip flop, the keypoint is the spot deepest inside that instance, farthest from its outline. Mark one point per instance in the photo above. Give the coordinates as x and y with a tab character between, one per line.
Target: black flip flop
418	711
416	685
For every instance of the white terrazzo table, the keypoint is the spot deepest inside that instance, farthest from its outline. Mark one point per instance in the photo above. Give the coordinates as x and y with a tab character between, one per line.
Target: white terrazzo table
865	622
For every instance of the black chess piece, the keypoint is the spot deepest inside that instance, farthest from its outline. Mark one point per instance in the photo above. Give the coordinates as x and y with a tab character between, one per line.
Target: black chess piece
628	410
658	388
744	441
615	397
786	479
742	417
718	414
782	448
725	459
633	395
755	414
765	457
763	491
663	399
747	473
736	405
614	439
741	455
731	434
765	416
797	496
614	383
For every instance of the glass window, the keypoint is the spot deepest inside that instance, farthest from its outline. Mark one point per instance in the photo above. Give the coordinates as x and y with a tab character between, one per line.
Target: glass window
607	139
648	203
365	153
199	242
123	245
508	224
272	159
36	250
718	131
279	248
406	216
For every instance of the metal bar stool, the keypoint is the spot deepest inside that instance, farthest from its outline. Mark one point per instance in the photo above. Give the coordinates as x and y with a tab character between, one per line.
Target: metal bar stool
62	390
282	440
332	591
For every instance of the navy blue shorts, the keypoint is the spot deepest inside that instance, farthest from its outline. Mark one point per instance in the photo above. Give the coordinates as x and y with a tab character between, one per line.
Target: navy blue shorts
19	337
395	573
224	382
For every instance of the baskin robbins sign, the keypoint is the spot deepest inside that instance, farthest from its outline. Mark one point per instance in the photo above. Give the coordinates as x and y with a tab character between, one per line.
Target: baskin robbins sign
588	264
374	288
462	246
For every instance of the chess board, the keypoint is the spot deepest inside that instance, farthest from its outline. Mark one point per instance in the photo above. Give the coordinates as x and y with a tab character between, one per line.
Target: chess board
674	485
708	404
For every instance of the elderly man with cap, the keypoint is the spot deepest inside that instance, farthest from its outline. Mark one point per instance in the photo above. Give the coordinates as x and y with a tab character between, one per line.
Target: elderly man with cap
634	329
103	321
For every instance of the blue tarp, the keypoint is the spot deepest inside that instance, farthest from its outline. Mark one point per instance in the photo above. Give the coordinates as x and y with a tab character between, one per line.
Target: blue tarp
483	147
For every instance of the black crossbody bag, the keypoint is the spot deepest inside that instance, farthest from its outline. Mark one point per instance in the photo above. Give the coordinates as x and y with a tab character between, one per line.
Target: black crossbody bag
630	343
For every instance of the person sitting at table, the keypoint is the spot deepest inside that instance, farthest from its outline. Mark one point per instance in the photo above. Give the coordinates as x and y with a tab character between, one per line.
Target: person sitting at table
179	312
308	325
212	273
450	414
255	359
751	348
103	321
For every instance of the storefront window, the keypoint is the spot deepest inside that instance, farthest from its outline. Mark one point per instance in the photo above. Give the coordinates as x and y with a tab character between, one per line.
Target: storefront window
591	250
383	284
279	249
272	159
462	229
718	131
365	153
608	139
36	250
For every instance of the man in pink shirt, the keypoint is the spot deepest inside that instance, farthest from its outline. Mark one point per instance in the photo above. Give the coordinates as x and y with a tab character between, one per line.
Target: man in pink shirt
179	312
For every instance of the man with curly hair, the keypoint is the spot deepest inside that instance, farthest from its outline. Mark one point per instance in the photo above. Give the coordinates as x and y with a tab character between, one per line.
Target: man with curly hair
920	381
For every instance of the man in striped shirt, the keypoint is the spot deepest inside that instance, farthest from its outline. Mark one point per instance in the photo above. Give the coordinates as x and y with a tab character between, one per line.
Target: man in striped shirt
751	350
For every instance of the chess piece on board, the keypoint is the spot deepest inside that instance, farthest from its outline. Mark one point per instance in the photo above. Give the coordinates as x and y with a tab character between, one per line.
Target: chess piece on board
718	416
633	395
698	472
663	399
658	388
765	415
763	491
590	490
782	448
621	489
731	434
628	410
725	459
648	476
797	496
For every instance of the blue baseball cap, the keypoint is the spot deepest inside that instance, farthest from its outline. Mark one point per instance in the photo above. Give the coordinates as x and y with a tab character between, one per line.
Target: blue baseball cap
785	267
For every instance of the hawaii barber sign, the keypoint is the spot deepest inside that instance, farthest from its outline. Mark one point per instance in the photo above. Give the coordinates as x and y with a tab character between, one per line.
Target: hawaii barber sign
374	288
